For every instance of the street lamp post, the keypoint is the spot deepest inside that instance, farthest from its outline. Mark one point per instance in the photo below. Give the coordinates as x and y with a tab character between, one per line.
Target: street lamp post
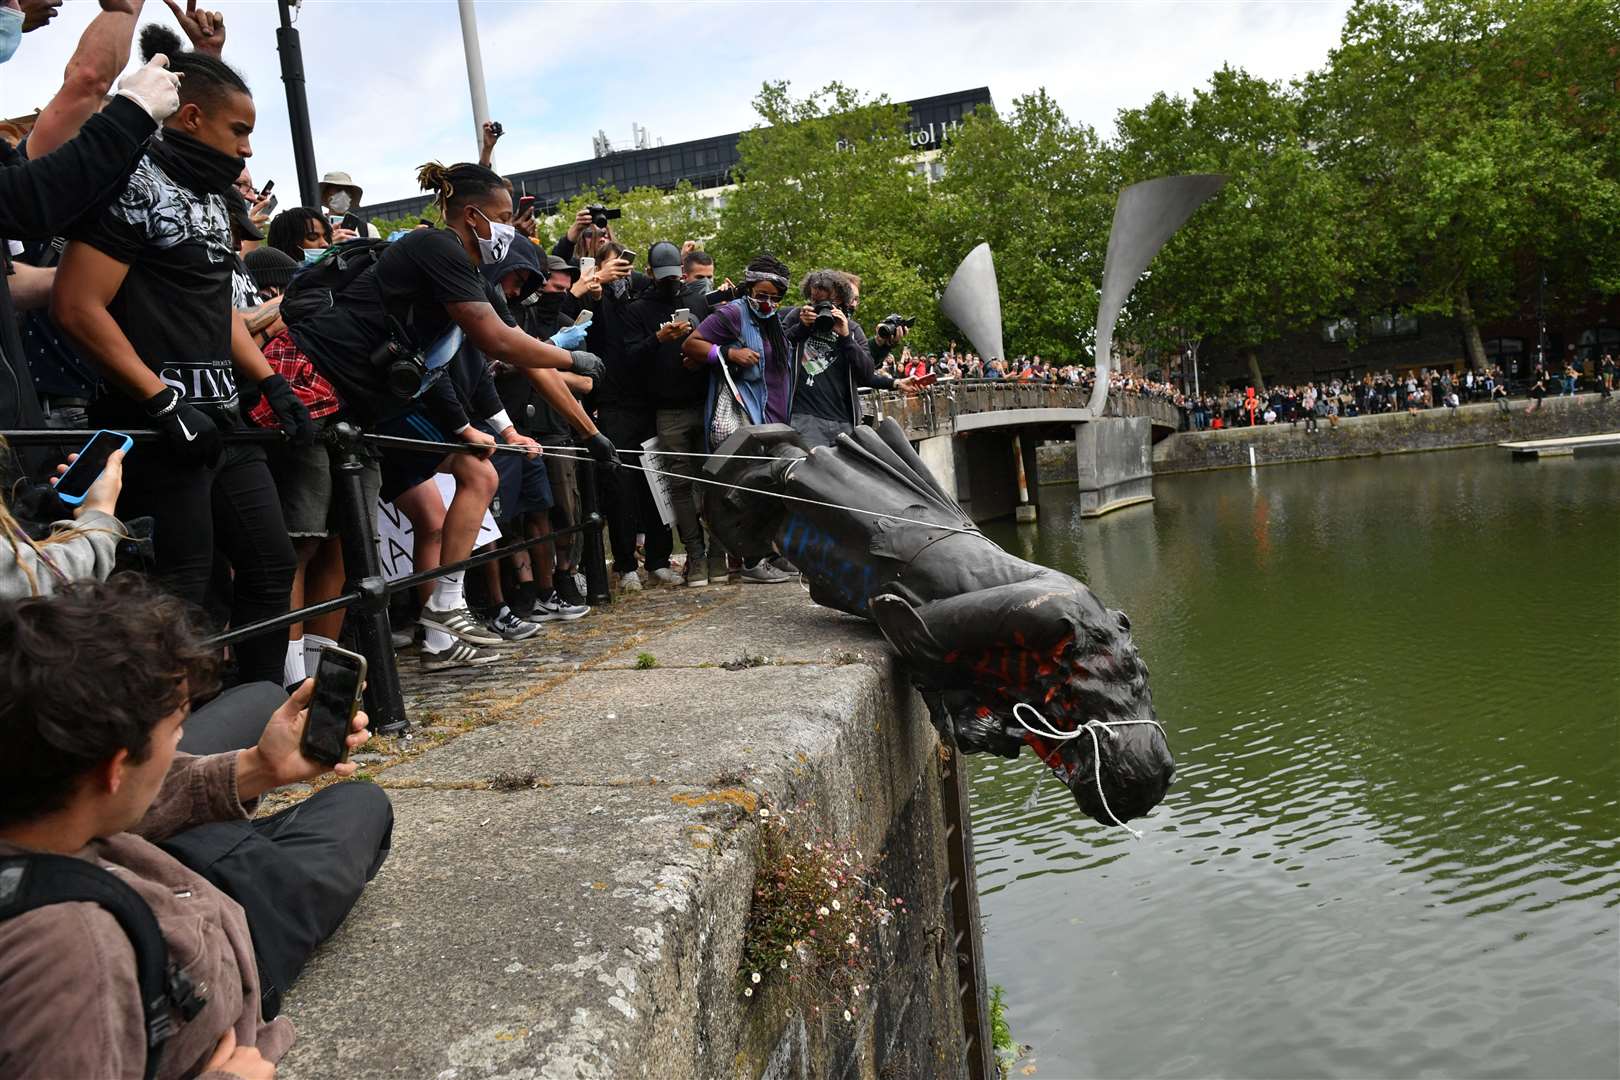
475	73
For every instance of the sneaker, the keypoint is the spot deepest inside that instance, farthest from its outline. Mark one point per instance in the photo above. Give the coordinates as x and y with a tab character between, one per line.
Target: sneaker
784	564
697	574
719	572
511	627
766	574
458	655
630	582
556	608
460	622
665	576
402	637
569	591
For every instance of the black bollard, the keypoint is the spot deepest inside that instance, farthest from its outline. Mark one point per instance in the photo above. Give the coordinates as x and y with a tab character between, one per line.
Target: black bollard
596	575
384	702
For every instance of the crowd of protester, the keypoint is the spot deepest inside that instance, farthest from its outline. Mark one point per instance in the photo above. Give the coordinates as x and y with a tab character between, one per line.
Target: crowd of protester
1303	403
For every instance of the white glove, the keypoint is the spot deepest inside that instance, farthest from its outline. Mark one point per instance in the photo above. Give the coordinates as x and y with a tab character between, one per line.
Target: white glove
154	88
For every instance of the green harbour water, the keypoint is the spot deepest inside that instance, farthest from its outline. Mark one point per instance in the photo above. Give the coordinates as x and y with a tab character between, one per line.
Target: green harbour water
1392	849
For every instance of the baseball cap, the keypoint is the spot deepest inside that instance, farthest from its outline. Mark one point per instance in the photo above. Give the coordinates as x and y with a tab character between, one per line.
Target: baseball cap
558	265
664	260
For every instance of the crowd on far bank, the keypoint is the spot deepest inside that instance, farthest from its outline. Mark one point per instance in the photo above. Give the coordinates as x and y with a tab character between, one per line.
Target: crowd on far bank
1305	403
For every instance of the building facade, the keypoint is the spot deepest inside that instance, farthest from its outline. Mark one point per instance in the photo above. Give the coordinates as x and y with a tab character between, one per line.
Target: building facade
707	164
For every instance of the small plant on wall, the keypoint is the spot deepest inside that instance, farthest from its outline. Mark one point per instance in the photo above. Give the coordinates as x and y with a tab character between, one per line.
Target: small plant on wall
816	911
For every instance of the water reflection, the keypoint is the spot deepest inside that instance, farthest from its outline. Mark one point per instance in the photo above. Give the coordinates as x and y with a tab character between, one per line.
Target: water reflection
1393	687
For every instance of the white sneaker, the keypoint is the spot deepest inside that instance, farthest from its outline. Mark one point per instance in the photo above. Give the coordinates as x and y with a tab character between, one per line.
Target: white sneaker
554	608
460	622
665	576
630	583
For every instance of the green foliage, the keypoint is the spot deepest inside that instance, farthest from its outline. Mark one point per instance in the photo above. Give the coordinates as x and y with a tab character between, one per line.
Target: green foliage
1486	137
815	911
388	226
1036	187
1000	1034
827	181
1267	255
649	215
646	661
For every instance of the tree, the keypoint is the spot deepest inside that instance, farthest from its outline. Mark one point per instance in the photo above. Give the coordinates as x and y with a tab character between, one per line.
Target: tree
1036	187
1275	249
829	181
1486	137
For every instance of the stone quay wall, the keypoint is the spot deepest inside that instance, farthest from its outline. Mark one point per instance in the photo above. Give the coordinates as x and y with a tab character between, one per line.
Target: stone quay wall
575	848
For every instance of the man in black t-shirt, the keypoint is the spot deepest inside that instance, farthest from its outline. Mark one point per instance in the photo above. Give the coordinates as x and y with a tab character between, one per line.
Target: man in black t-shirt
144	289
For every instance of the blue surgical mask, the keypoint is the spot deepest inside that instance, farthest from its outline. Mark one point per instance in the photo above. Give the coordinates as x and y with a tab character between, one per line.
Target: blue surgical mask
11	22
313	255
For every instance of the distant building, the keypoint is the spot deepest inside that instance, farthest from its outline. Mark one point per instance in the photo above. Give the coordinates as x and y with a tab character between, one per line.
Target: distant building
706	164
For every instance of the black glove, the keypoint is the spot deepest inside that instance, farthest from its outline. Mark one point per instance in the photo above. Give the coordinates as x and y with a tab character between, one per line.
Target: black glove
602	450
192	435
294	417
589	365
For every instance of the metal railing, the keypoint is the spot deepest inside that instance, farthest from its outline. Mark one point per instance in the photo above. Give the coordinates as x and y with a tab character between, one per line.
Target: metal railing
934	410
366	590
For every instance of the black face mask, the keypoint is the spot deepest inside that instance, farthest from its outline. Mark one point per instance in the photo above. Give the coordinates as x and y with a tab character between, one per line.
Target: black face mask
548	304
196	164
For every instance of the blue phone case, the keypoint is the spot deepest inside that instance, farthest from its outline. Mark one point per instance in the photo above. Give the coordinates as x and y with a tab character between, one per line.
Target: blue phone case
75	500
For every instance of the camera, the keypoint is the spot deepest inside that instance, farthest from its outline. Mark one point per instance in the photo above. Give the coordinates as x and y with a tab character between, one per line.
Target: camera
824	315
892	324
406	367
601	215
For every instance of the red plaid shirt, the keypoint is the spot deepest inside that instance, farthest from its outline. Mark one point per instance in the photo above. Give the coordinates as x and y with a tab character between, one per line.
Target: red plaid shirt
310	385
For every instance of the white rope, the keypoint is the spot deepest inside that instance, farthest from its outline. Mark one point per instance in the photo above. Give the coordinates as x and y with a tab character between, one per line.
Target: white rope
676	453
1047	731
798	498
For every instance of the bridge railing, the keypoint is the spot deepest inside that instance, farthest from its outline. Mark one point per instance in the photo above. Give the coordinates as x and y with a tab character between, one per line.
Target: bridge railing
934	411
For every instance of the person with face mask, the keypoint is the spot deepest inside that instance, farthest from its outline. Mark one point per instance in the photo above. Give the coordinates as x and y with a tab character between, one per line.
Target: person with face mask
145	291
46	196
653	336
300	233
385	341
340	197
745	335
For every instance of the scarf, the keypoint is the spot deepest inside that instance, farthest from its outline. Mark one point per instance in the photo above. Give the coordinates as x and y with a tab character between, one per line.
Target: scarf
196	164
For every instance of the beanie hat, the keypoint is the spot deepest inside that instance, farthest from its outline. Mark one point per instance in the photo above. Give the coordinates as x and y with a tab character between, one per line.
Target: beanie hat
271	268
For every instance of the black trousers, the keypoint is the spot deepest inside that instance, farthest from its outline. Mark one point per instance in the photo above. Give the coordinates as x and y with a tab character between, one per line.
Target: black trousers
296	873
627	503
234	507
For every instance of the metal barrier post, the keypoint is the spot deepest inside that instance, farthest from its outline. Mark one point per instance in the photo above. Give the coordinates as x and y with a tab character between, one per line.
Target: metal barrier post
384	701
595	554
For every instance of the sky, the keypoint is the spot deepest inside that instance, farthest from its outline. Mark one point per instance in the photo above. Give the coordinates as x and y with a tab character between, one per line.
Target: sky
387	81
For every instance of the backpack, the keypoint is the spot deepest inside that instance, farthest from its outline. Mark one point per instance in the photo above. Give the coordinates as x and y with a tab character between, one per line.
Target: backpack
38	880
313	288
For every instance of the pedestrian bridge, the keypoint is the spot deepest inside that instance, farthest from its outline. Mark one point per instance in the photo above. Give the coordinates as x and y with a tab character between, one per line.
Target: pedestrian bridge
976	434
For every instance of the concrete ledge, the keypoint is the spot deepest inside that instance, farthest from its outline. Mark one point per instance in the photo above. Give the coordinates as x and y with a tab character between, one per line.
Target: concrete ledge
569	882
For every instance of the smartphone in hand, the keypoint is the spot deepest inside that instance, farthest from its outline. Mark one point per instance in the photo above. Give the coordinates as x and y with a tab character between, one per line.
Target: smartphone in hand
629	256
73	485
338	681
925	380
584	317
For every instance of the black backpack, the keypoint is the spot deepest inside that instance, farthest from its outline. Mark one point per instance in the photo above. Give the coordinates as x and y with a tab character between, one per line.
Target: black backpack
312	289
36	880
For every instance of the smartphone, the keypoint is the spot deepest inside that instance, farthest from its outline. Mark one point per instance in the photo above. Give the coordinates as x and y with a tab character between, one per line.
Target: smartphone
73	485
270	204
269	186
338	682
628	256
584	317
684	315
927	380
586	265
525	203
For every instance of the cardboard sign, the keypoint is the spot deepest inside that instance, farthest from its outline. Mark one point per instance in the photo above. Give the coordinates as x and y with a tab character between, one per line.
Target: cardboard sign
396	539
659	484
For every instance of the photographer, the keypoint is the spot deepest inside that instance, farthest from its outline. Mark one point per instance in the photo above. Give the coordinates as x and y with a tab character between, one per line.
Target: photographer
742	342
830	360
385	337
653	336
340	198
95	686
145	291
